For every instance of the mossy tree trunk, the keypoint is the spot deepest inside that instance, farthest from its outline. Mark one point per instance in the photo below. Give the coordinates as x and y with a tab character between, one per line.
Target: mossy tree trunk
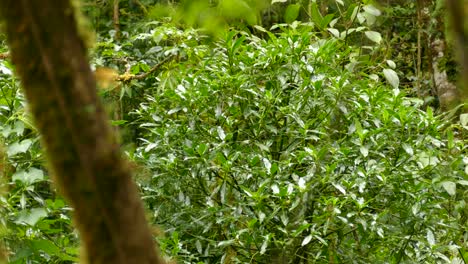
86	163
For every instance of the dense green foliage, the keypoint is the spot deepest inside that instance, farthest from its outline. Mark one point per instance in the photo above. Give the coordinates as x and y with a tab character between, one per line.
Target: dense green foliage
295	144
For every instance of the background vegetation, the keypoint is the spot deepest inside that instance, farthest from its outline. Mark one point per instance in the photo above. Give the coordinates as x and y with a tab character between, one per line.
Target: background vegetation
283	132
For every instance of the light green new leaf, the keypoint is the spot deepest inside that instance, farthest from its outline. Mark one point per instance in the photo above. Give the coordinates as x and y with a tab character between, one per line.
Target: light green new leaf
291	13
315	14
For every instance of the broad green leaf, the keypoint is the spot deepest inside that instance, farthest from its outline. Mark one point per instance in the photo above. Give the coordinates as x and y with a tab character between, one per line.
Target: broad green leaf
464	120
201	149
47	246
326	20
392	78
31	216
19	147
28	176
291	13
374	36
450	187
238	9
315	14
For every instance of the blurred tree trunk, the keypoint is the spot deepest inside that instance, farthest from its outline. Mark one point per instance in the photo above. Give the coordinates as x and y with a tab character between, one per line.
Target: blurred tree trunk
50	59
457	19
442	58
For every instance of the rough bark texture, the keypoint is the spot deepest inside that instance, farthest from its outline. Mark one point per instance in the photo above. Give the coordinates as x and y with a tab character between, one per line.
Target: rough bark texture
84	158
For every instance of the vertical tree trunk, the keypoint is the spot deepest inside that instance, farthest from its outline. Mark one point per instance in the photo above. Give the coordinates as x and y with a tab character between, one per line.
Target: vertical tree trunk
457	17
50	59
116	19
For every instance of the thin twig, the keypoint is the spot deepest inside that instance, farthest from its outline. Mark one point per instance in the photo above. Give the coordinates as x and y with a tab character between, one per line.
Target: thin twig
129	77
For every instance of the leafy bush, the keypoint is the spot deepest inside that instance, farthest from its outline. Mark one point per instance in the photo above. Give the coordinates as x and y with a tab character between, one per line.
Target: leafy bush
269	150
258	150
35	223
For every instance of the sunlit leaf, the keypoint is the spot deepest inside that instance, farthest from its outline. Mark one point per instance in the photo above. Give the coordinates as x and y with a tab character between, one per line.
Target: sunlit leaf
198	246
450	187
221	133
372	10
306	240
340	188
430	237
267	164
31	216
301	183
226	243
28	176
275	189
464	120
391	64
408	149
335	32
374	36
463	182
364	151
19	147
391	77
